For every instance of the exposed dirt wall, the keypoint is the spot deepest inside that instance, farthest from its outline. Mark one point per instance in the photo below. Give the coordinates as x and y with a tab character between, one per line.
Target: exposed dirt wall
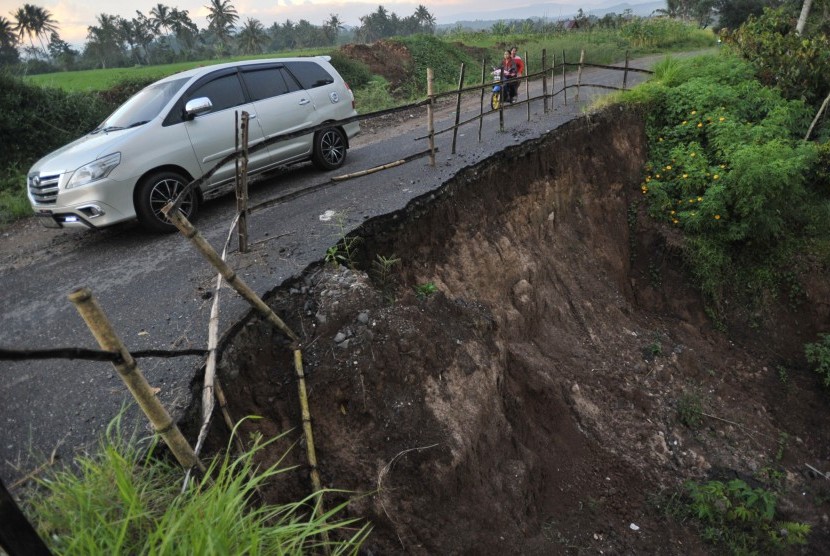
531	405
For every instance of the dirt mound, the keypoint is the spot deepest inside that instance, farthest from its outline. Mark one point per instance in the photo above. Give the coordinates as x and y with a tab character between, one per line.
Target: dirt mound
541	401
389	59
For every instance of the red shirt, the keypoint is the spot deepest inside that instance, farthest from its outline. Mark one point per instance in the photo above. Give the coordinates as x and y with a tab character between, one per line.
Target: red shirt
520	65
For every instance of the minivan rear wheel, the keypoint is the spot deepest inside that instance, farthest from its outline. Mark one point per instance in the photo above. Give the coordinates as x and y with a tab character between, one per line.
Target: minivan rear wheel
329	149
154	192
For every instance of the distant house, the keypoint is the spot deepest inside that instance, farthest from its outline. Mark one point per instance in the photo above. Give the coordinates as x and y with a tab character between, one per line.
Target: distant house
568	24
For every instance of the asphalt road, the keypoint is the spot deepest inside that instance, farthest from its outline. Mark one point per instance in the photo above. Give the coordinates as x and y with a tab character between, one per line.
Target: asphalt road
153	288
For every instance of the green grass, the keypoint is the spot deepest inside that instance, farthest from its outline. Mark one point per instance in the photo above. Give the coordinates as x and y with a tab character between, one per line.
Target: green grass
103	79
124	501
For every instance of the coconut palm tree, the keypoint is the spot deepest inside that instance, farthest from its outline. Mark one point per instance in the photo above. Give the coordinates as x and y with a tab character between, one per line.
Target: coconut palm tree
160	17
332	27
34	21
425	19
8	37
253	38
222	18
8	42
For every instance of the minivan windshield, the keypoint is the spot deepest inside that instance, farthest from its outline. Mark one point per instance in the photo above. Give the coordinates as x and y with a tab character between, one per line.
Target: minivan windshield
143	106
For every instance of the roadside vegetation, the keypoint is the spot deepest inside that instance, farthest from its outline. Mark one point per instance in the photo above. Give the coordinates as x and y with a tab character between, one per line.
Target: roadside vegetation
126	500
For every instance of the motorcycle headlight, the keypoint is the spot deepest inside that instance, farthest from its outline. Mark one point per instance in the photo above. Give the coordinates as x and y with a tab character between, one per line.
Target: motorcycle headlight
95	170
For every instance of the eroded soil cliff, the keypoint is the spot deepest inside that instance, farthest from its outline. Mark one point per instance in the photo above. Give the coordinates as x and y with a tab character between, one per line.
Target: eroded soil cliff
542	400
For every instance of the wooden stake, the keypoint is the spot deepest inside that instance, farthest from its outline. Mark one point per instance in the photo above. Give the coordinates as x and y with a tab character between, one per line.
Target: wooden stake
128	369
309	436
545	79
458	107
625	73
17	536
431	116
527	85
207	251
564	79
242	185
579	72
481	110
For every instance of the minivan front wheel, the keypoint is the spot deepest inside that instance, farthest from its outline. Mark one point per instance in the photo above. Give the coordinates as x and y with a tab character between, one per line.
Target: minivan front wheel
329	149
154	192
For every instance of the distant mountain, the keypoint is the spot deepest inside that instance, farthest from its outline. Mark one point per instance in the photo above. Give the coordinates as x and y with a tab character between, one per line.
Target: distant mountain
549	11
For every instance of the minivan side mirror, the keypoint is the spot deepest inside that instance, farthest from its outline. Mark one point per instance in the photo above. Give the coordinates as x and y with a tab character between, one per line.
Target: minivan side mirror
197	106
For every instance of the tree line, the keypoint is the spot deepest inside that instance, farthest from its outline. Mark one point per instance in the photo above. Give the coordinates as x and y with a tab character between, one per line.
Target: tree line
167	34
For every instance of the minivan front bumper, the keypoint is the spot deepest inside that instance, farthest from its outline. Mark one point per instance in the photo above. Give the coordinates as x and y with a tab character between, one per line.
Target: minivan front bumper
90	206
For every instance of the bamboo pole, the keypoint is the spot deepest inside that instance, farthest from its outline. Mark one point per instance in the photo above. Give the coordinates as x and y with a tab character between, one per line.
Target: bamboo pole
128	369
311	452
579	72
527	85
625	73
458	107
242	186
552	80
564	79
431	116
481	104
503	95
208	252
545	79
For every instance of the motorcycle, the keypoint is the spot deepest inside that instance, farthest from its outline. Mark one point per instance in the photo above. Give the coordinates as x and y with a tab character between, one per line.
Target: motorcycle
501	89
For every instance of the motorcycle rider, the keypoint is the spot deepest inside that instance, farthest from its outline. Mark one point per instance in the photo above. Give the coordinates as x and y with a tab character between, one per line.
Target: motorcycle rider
508	71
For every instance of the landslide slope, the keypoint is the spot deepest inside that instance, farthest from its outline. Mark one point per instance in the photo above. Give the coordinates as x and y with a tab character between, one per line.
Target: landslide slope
558	387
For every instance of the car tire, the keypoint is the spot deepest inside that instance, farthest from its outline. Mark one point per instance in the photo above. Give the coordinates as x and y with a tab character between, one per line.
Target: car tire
329	149
154	192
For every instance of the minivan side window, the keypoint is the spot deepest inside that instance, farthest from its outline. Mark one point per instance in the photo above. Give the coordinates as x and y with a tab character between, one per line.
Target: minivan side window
265	83
224	92
309	74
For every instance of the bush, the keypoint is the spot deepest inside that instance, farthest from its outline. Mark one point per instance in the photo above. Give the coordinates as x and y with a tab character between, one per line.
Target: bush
354	72
46	118
444	58
799	65
741	518
818	354
728	167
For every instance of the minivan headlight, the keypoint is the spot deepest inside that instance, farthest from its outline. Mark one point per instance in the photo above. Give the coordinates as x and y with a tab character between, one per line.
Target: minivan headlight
95	170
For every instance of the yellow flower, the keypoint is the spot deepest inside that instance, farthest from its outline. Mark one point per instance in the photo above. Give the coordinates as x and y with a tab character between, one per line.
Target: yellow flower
692	155
717	217
700	124
685	176
673	212
715	177
723	165
691	200
668	167
721	119
700	199
660	140
683	123
657	176
694	112
648	179
675	220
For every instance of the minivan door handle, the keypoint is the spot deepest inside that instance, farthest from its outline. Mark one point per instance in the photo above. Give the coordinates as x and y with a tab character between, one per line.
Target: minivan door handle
304	101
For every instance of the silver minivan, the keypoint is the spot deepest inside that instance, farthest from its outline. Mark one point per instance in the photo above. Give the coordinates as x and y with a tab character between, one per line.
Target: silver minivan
178	128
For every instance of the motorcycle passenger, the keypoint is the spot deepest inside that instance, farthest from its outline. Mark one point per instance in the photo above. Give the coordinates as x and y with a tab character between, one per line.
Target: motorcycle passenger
520	69
508	71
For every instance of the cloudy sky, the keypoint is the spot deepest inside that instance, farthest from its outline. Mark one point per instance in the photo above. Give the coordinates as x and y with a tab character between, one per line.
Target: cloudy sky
74	16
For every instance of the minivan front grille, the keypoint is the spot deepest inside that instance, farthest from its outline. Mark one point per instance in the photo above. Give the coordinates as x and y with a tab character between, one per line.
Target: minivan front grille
43	189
